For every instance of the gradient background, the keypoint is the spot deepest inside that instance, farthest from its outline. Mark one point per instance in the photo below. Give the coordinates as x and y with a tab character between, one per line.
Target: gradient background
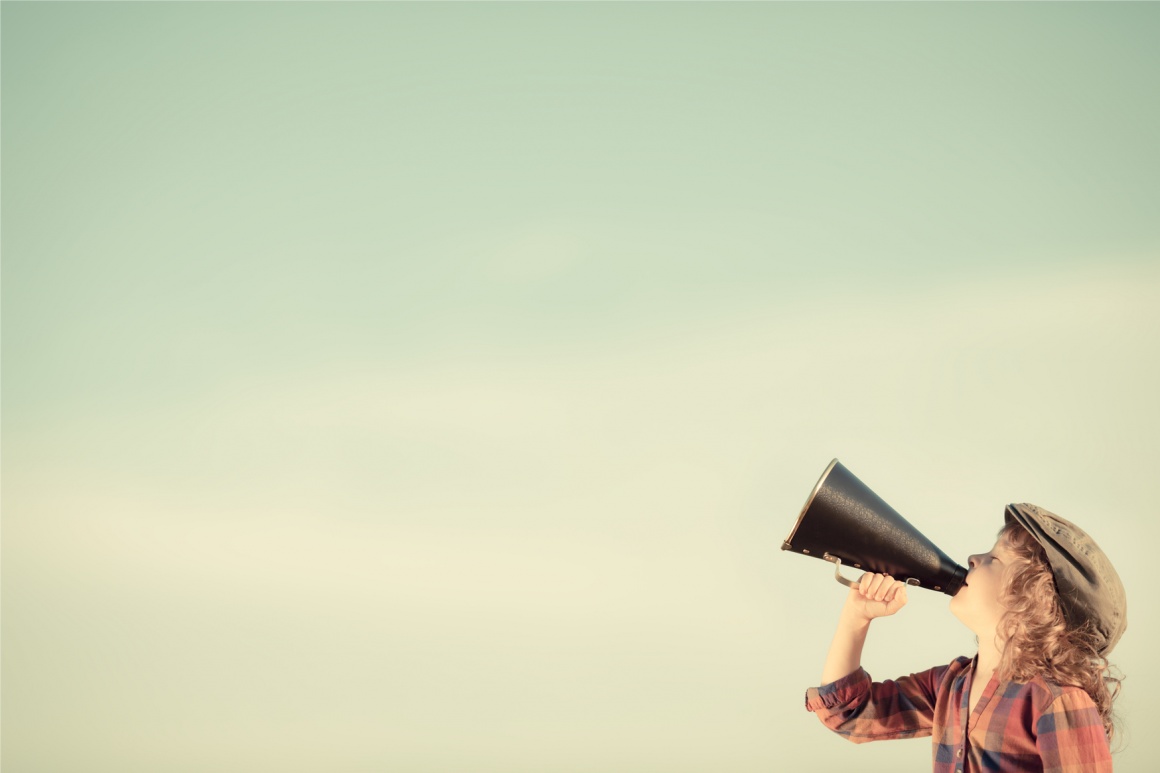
429	387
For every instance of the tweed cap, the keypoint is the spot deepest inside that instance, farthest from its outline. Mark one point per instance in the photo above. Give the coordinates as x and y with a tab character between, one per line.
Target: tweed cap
1087	583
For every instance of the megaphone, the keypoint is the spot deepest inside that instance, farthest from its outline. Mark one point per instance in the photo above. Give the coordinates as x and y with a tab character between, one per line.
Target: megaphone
844	522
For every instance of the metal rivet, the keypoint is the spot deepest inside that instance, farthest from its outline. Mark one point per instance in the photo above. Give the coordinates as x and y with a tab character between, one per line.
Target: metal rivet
805	551
857	566
938	587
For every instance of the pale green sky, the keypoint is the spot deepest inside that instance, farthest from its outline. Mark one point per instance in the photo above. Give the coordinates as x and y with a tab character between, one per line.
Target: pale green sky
429	387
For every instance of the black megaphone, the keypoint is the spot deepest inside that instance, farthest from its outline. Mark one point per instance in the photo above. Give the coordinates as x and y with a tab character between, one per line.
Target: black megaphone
844	522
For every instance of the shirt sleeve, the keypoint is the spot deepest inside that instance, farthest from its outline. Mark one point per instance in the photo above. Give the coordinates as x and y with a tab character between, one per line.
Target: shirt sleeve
861	710
1070	736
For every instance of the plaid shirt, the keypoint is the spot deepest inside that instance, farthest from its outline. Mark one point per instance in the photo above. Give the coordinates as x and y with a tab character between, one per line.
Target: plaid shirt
1016	727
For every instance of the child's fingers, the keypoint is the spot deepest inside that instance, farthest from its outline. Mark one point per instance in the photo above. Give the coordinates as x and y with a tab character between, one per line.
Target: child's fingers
871	586
883	588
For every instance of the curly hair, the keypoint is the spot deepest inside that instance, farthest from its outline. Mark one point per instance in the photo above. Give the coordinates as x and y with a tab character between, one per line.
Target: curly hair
1038	640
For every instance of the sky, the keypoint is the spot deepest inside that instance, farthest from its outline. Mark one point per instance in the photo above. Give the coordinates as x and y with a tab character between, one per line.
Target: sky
430	387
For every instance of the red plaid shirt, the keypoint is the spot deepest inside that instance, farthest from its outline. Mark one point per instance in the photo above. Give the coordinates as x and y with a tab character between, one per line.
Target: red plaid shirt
1015	728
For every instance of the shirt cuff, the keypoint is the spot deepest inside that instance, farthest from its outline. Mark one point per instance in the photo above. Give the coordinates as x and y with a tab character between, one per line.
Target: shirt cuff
839	692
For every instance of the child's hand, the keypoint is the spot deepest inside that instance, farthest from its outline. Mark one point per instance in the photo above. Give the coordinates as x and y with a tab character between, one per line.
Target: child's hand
875	595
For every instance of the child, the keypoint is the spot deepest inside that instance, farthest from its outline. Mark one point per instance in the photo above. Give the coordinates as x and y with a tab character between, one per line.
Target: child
1047	607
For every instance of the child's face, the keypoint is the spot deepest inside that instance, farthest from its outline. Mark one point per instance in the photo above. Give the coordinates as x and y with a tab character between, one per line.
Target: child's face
977	602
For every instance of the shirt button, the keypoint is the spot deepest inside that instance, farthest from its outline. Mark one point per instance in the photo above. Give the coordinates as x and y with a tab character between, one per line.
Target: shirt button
959	753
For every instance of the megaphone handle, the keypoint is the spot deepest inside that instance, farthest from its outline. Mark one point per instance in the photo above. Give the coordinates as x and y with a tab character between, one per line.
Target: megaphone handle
853	583
838	570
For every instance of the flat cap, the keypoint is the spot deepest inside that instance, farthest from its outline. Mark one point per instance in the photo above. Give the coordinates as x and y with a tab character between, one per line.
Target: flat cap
1088	586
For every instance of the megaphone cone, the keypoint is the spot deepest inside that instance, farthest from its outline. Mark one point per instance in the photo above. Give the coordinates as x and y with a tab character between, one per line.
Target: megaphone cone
845	522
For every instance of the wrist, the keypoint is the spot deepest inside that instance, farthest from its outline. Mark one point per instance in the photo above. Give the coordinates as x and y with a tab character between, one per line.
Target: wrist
853	622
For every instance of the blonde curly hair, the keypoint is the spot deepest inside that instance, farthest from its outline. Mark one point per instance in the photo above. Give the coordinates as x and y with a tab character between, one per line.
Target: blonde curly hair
1038	640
